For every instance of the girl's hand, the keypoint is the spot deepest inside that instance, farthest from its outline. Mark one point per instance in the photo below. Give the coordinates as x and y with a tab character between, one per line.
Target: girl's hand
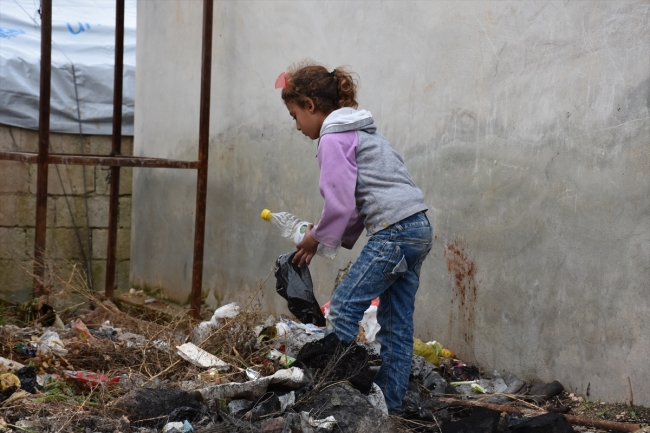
306	248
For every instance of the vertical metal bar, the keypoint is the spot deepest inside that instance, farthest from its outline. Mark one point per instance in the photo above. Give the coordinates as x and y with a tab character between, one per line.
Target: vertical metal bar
202	175
38	287
113	211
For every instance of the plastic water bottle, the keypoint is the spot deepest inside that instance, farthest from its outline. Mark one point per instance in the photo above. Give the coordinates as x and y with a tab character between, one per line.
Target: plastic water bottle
294	228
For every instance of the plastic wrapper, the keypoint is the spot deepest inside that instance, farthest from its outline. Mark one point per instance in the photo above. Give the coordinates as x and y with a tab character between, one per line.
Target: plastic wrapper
200	357
294	284
81	329
90	378
293	378
9	365
50	342
422	349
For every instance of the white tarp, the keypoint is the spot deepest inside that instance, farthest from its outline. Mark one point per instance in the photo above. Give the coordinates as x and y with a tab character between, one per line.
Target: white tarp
83	58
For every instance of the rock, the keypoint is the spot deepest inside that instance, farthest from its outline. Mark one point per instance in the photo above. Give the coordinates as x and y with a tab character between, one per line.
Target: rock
273	425
287	400
268	404
349	407
498	385
547	423
297	422
425	373
376	399
149	406
481	420
513	383
417	406
240	406
540	392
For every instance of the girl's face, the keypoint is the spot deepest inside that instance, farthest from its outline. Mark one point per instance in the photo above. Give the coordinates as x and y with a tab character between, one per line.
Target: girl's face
308	120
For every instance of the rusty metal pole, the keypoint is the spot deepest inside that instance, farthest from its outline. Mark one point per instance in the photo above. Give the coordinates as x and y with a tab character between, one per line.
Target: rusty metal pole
202	176
113	212
38	287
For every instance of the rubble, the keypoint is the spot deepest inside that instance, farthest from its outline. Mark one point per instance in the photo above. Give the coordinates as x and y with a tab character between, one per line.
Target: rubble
152	407
107	371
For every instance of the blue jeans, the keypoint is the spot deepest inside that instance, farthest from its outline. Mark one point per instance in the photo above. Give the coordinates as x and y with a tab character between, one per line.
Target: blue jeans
388	268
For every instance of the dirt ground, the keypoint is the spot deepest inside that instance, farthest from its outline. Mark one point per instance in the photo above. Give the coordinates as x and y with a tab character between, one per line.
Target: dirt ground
602	410
143	353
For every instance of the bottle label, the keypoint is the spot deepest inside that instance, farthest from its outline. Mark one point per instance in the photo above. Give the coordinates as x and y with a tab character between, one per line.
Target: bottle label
300	233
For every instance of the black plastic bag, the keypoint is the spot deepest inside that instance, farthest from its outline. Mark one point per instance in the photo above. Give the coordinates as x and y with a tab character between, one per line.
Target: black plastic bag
27	377
339	360
294	284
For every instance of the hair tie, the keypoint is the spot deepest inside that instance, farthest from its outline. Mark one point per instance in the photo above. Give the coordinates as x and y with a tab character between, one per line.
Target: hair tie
281	81
333	73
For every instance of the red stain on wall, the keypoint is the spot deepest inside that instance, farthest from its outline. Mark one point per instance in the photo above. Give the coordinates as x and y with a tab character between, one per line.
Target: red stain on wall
462	272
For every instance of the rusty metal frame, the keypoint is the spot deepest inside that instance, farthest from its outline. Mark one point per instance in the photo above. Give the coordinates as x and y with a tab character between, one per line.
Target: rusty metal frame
115	160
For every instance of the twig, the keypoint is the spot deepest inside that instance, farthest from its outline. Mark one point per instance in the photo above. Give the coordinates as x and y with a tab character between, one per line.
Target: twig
164	371
629	385
78	410
577	420
27	429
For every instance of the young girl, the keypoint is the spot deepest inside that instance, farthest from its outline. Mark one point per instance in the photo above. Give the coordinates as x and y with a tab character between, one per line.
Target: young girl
365	184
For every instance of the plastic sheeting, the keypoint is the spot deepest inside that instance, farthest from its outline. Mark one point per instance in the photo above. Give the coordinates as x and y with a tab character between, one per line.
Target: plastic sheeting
83	58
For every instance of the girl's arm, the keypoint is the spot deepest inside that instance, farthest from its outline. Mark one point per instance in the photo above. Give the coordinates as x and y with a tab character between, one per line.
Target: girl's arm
339	220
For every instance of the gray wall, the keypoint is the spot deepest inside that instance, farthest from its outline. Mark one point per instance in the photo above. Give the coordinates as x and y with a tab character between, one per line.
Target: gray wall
526	125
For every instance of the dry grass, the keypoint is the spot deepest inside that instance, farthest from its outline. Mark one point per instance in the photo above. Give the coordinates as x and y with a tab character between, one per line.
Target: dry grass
150	361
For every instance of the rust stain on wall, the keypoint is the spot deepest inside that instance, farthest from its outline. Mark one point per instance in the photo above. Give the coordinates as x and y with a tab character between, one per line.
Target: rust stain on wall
462	272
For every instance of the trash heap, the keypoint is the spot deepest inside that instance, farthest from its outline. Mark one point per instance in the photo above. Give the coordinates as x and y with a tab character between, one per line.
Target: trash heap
242	370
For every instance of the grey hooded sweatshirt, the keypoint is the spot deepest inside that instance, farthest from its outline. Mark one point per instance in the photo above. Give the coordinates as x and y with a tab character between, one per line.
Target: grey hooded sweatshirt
363	180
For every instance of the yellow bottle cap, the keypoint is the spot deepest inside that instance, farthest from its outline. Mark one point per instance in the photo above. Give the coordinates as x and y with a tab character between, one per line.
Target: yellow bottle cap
266	215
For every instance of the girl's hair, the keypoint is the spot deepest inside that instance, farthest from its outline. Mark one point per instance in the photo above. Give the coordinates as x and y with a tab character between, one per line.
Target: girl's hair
329	90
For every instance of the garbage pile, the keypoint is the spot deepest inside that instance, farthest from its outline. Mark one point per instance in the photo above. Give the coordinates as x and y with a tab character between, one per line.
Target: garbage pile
241	370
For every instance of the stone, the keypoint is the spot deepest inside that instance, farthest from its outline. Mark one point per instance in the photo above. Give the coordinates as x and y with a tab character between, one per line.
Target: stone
273	425
240	406
14	242
15	177
425	373
62	243
376	399
267	404
102	181
15	280
124	220
68	179
540	392
17	210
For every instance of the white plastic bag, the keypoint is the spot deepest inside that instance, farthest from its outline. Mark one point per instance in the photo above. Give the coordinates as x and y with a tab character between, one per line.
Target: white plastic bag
369	323
227	311
50	342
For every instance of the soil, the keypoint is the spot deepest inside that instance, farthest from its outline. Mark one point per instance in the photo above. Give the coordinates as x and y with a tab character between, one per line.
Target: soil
72	406
600	410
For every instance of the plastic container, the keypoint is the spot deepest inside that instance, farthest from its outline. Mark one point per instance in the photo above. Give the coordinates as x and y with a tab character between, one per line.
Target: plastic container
294	228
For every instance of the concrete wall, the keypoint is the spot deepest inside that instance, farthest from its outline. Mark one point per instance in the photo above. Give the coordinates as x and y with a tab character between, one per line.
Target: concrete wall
526	124
67	240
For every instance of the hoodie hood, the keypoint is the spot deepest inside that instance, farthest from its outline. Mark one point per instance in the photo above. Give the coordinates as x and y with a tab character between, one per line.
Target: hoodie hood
348	119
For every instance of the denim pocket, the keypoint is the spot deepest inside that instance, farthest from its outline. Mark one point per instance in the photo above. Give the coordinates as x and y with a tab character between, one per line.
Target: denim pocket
418	235
396	266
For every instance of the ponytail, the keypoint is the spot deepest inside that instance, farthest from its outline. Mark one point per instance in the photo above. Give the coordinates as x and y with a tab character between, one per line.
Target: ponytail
347	89
328	90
